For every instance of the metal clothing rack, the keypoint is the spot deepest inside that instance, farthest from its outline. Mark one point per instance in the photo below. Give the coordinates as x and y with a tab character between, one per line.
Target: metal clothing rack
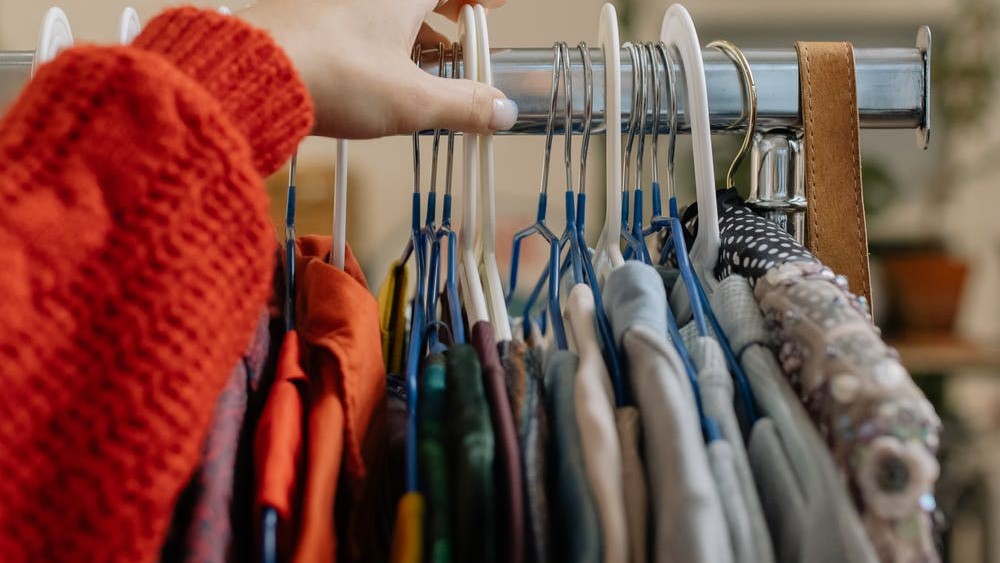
893	92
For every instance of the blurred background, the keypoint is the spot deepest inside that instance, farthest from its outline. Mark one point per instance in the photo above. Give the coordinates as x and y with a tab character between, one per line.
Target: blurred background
932	214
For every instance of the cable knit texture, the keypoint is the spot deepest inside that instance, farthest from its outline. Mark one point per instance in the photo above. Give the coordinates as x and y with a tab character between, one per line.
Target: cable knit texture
136	253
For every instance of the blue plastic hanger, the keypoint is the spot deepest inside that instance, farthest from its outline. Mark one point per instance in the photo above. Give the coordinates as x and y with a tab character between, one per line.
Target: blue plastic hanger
604	331
416	246
641	72
539	227
445	231
269	518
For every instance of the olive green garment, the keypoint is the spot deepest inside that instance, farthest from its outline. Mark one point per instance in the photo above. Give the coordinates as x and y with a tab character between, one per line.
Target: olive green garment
431	426
471	451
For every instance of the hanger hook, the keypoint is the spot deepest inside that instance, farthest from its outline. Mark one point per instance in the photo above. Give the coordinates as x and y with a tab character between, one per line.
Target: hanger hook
643	110
749	110
436	144
456	53
671	80
568	117
588	113
415	54
550	122
633	119
654	67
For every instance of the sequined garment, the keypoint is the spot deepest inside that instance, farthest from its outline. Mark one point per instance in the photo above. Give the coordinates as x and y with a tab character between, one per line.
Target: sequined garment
882	431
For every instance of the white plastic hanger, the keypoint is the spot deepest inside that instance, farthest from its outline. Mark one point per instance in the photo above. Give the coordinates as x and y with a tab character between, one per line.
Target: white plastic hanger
486	249
473	296
339	248
678	32
54	36
129	25
608	254
225	11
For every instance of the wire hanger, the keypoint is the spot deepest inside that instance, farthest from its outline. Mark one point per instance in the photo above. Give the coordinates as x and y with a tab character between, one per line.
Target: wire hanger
635	245
608	254
749	87
415	347
444	231
473	296
609	348
540	228
678	32
486	250
671	223
637	120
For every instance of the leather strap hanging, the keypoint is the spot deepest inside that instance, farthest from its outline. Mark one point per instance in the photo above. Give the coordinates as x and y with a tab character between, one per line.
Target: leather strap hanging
835	215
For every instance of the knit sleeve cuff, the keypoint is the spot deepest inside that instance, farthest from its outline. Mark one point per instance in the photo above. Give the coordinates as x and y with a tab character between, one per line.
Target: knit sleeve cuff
245	70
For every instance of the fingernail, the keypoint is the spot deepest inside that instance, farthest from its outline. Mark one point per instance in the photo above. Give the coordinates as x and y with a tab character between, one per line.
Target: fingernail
504	114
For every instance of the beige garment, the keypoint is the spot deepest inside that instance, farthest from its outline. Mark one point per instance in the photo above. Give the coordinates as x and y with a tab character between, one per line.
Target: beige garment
595	418
634	482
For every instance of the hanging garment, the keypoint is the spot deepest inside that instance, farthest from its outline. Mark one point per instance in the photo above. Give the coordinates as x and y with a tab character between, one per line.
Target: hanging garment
434	479
338	321
114	353
593	406
722	461
471	451
688	520
872	415
509	490
525	391
809	513
575	524
279	452
201	529
392	315
751	540
634	484
882	431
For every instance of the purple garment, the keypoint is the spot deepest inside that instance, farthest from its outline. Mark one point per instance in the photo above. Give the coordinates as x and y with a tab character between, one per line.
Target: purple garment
202	526
508	460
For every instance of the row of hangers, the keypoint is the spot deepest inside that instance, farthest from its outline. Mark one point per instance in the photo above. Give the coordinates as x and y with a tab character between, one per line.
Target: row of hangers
483	297
471	275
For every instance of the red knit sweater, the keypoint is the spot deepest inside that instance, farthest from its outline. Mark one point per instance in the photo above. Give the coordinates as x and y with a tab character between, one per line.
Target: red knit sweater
135	255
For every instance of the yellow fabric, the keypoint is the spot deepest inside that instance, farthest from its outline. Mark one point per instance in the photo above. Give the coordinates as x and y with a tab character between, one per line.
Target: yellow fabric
392	316
407	539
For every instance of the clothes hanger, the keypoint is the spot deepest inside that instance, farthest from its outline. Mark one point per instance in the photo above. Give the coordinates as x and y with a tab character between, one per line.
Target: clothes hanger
444	231
486	250
678	33
710	428
742	382
608	253
129	25
604	331
269	517
473	296
540	228
636	122
575	256
414	351
54	36
640	74
671	223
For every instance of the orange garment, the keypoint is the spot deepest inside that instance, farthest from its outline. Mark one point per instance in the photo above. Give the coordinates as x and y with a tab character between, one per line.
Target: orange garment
339	322
136	253
278	446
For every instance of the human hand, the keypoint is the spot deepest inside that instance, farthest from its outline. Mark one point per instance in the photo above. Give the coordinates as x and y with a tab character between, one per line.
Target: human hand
354	56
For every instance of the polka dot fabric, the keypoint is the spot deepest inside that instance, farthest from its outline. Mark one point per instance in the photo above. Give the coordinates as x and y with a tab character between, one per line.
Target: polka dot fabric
752	245
136	254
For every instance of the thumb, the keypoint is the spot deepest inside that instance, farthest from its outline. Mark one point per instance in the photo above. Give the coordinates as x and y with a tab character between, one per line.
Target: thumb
461	105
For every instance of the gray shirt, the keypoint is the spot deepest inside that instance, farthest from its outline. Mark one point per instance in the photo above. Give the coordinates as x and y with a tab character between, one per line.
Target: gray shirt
689	524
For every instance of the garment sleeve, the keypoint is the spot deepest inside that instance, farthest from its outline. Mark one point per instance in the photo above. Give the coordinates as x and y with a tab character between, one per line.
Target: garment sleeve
135	257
